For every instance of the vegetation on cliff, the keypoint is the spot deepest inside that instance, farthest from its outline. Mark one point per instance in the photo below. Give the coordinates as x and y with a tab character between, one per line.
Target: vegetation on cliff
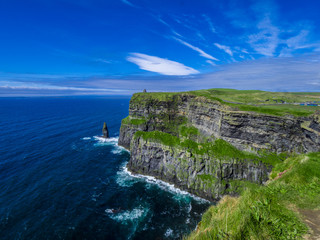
222	141
272	103
218	148
268	212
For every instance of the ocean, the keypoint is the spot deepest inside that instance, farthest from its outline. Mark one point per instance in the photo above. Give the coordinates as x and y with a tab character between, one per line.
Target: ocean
59	180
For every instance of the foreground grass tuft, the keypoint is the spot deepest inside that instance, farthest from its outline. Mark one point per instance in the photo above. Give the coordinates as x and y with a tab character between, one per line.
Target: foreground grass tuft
267	212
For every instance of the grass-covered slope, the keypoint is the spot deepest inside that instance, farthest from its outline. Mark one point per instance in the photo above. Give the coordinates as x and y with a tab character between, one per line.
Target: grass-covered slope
259	97
271	103
271	211
216	149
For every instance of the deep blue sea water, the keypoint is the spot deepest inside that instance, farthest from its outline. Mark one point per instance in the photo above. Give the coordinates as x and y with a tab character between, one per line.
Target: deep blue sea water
59	181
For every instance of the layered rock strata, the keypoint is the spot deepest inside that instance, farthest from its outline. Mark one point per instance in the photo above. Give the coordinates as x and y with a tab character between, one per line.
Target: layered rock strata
191	123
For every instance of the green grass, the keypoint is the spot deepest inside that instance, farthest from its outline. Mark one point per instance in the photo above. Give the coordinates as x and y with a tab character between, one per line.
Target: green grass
279	110
267	212
186	131
208	179
301	184
149	98
161	137
219	148
258	97
133	121
250	100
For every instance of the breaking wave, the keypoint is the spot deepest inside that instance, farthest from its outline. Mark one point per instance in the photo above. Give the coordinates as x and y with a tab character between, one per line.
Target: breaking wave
127	216
101	141
86	138
126	179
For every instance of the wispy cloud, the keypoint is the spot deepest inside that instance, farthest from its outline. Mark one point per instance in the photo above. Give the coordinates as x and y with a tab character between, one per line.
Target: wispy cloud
41	86
271	74
201	52
102	60
208	20
160	65
224	48
159	19
128	3
15	88
267	39
211	63
273	37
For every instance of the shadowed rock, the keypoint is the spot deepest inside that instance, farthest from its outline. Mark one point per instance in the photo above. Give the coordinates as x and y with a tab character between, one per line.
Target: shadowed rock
105	131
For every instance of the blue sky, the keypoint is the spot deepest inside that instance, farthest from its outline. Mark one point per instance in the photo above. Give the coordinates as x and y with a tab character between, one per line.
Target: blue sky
96	47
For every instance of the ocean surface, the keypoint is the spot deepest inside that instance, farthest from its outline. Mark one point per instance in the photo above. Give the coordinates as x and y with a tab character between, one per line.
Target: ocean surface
59	180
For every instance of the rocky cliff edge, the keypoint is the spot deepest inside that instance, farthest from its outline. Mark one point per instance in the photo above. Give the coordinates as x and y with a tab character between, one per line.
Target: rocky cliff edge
208	147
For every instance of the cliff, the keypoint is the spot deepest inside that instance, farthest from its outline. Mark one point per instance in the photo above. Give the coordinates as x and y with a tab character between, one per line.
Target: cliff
208	146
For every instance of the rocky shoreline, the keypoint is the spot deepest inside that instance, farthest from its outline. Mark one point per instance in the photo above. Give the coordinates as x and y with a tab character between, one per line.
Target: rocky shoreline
207	148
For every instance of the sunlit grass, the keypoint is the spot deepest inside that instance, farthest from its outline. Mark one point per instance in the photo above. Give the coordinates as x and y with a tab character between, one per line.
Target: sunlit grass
267	212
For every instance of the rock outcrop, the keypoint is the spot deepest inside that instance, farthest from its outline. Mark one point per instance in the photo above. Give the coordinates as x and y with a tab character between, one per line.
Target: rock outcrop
105	130
180	138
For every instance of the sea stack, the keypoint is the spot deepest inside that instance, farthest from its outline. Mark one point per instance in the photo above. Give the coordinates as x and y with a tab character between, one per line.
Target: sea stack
105	131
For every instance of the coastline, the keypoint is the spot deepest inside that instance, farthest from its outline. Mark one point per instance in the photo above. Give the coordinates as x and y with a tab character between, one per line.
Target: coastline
164	185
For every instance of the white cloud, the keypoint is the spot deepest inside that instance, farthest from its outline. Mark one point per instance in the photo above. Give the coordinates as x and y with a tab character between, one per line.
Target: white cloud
102	60
175	33
211	63
212	28
160	65
159	19
128	3
271	74
224	48
298	40
201	52
162	21
267	39
41	86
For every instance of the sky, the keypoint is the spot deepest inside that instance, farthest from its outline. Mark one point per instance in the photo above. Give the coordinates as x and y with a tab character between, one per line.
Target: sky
118	47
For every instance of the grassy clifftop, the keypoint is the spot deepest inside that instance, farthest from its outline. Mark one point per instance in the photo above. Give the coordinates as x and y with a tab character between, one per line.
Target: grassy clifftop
271	103
276	211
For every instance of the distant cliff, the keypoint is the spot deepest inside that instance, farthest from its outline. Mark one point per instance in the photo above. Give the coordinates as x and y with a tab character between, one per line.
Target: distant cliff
207	146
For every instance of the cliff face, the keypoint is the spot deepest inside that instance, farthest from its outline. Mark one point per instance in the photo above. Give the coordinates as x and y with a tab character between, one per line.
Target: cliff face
174	137
201	175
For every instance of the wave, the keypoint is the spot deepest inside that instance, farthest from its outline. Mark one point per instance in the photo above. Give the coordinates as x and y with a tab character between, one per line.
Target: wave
131	218
101	141
126	179
168	233
106	141
86	138
127	216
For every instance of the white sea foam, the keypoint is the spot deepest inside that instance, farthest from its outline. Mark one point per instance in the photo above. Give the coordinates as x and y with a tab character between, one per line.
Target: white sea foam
118	150
108	211
127	216
168	233
86	138
126	179
95	196
189	208
107	141
99	141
